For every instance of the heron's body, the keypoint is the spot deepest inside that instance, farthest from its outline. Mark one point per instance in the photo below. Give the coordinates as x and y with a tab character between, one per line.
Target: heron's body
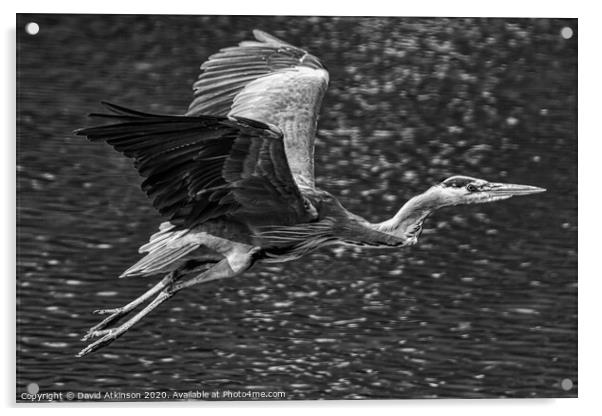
234	177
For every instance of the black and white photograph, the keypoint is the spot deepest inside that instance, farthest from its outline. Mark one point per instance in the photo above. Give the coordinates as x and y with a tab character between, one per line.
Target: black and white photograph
286	208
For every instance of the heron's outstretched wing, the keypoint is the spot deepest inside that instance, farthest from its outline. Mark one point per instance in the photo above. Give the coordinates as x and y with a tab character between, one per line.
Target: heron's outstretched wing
205	167
271	81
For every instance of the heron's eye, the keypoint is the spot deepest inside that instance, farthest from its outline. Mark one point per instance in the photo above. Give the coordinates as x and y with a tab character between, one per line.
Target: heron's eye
471	188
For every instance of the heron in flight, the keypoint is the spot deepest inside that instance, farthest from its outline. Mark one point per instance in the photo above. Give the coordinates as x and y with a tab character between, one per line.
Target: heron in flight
234	178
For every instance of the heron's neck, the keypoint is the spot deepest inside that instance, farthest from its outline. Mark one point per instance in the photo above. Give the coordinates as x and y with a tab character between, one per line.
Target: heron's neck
407	222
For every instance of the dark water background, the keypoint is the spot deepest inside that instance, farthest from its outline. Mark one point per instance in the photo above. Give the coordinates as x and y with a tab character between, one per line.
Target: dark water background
484	306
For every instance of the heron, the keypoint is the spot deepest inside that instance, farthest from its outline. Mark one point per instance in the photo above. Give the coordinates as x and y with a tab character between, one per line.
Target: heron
234	178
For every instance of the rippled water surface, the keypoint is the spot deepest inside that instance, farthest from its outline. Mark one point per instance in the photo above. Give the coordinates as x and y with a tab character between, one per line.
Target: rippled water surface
484	306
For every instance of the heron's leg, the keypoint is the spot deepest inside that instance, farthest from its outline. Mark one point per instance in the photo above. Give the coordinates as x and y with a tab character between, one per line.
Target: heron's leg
110	335
117	313
238	260
221	270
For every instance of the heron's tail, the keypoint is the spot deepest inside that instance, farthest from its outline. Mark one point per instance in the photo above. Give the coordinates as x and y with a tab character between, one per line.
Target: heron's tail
164	250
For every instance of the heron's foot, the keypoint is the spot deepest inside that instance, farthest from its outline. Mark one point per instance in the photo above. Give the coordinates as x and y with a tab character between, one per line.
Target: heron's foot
115	314
108	335
99	329
107	311
99	333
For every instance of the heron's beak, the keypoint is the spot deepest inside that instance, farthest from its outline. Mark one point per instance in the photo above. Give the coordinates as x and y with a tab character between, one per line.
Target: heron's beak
509	189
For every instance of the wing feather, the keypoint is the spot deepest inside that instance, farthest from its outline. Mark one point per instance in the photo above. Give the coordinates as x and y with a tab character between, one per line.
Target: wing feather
201	168
271	81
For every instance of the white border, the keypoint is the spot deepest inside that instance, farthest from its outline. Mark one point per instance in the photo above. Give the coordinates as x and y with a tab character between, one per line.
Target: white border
589	187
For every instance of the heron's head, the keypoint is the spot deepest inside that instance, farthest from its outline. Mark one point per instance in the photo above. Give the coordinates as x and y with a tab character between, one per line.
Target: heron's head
458	190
